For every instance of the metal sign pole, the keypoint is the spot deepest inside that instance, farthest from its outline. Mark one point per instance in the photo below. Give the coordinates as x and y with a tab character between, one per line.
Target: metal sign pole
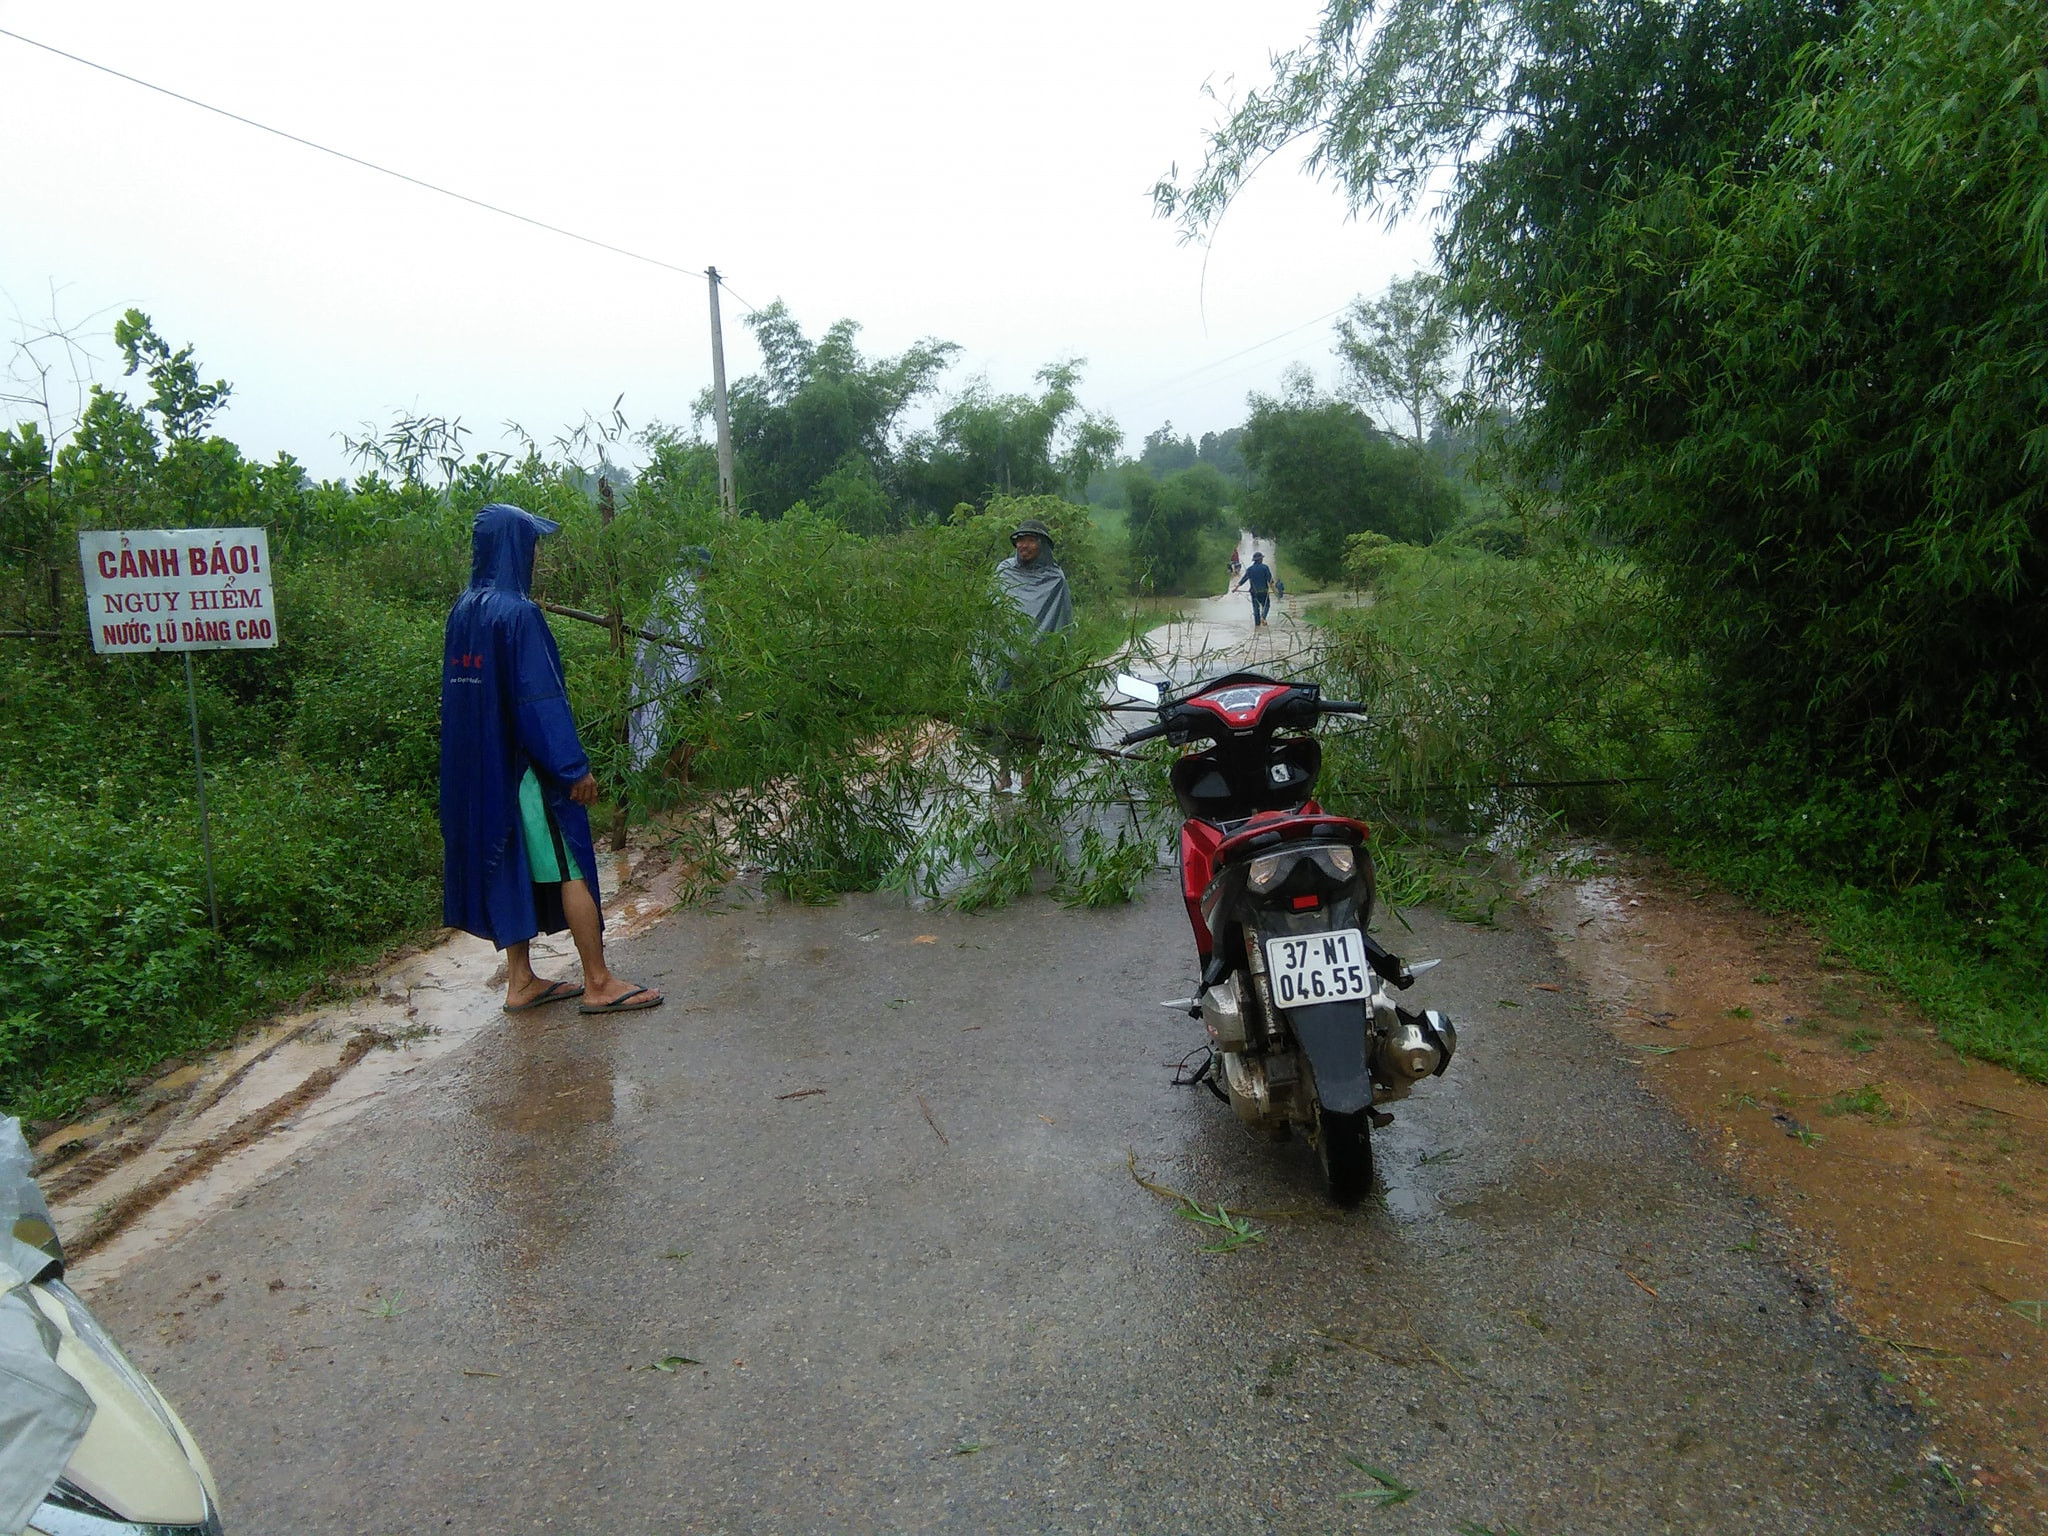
153	590
199	770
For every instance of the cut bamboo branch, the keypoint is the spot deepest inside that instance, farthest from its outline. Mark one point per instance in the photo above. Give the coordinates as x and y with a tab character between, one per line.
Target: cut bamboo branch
604	623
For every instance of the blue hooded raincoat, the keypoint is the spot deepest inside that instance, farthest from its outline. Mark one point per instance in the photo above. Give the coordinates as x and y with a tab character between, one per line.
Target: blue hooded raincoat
504	709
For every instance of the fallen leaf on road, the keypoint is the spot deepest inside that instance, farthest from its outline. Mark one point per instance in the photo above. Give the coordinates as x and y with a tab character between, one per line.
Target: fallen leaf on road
1390	1490
1546	986
670	1362
926	938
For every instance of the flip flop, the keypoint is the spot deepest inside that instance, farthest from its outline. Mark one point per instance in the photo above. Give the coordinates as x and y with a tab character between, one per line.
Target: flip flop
557	992
624	1003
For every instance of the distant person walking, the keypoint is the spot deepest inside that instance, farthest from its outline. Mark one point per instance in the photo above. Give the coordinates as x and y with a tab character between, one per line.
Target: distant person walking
1258	576
517	855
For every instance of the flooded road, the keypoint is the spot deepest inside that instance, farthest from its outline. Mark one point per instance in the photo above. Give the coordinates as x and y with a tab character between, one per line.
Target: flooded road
847	1237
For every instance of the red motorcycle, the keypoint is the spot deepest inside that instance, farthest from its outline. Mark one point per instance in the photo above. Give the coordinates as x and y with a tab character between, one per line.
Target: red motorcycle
1303	1032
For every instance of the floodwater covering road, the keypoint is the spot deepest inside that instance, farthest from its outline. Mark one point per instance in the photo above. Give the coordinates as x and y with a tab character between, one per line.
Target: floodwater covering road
847	1238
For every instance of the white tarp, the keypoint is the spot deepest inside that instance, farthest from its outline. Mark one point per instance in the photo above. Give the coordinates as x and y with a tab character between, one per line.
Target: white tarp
43	1411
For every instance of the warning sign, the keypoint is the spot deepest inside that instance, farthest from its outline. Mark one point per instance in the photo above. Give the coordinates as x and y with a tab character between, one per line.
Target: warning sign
178	589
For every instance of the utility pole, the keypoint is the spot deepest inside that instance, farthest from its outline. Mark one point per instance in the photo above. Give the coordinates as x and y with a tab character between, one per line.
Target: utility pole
726	494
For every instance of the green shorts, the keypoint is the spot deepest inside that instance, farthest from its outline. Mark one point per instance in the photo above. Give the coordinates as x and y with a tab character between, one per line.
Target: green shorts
546	854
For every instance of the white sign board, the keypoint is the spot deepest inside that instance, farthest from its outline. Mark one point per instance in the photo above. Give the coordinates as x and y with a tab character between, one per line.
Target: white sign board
178	589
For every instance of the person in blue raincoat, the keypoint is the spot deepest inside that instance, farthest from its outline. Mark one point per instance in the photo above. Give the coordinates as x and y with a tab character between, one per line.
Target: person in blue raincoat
518	858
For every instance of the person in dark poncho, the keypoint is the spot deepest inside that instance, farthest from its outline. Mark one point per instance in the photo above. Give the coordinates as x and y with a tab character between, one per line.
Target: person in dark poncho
518	858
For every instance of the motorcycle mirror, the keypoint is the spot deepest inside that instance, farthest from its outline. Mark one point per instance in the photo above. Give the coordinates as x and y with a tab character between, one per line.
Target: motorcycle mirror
1136	688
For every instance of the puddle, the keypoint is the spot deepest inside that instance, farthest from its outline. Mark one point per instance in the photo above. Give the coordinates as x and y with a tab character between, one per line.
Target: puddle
221	1126
1917	1181
1407	1204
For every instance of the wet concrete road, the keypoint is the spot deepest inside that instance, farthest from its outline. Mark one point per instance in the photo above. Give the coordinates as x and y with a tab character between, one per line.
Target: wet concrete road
932	1298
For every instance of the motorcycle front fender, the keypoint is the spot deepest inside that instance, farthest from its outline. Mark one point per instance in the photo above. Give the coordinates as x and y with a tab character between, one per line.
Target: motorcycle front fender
1334	1039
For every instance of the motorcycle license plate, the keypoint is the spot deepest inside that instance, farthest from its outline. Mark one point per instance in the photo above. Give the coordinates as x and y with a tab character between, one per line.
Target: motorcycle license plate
1306	969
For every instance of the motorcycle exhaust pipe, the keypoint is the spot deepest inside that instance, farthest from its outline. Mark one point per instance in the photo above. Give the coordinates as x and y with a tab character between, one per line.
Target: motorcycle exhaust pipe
1418	1046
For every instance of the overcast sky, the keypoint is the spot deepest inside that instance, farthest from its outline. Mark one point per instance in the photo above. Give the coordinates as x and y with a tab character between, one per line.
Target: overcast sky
976	173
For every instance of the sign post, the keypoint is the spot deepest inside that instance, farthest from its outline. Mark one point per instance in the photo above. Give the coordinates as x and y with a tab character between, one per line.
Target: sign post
181	589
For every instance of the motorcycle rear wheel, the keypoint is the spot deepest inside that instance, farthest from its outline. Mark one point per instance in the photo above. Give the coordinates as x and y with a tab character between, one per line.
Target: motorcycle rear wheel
1344	1144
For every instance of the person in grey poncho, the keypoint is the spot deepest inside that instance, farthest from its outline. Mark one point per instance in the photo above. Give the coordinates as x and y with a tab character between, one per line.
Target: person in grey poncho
666	675
1033	580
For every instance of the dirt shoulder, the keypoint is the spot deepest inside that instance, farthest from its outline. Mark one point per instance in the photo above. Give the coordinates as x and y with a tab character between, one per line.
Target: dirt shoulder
1915	1179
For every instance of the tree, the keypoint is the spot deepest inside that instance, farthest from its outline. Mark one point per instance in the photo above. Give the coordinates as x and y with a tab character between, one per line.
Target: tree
1397	350
815	403
1767	282
185	406
1220	451
1321	472
1164	452
1167	519
986	444
1549	116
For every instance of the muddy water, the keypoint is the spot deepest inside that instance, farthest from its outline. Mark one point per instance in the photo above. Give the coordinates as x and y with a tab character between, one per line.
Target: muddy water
1915	1180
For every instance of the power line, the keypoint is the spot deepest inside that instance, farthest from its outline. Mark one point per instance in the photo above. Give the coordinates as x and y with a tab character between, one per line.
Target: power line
368	165
1165	384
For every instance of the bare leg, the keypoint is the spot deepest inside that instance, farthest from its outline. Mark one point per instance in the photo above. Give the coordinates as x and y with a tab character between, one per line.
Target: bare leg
521	984
586	927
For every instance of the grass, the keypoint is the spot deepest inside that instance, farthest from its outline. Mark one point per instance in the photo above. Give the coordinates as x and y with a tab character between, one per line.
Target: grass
1237	1232
1867	1100
385	1308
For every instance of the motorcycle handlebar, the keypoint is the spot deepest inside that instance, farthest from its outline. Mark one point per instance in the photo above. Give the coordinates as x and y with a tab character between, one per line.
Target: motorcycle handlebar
1337	707
1144	733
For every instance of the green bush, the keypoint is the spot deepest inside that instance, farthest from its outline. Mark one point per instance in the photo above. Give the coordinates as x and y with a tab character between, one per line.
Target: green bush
1497	687
860	691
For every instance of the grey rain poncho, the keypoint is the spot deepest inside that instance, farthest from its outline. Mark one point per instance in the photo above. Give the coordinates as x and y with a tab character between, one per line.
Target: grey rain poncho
1039	589
43	1411
665	675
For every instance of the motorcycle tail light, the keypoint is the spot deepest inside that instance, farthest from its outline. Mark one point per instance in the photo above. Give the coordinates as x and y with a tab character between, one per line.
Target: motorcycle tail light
1270	870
